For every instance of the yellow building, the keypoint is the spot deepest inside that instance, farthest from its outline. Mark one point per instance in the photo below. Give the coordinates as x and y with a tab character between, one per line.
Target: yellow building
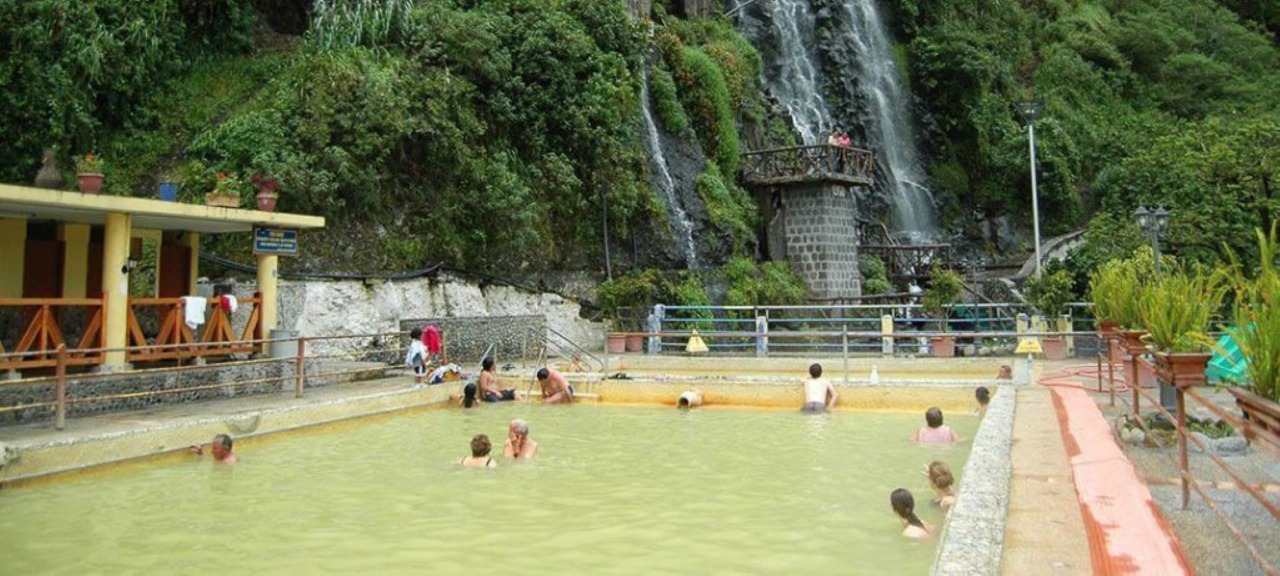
64	251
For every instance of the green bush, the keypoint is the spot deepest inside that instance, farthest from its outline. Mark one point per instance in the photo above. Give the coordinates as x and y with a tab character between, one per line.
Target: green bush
728	206
1050	292
663	91
773	283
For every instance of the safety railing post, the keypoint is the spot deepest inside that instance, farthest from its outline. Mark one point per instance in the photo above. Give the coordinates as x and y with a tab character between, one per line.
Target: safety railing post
762	336
60	390
886	333
654	343
300	368
844	345
1182	443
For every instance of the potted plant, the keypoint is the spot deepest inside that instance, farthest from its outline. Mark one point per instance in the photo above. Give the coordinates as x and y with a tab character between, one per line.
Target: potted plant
89	173
1116	288
1257	333
267	195
1176	309
944	290
226	192
1049	294
636	290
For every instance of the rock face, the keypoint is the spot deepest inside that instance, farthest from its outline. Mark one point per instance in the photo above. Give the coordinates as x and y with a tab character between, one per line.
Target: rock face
315	308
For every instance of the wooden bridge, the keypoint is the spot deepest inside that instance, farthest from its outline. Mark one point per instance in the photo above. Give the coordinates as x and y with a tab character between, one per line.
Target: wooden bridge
799	164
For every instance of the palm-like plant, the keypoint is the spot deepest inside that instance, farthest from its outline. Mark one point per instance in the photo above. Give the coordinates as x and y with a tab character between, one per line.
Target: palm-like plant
1257	317
1177	308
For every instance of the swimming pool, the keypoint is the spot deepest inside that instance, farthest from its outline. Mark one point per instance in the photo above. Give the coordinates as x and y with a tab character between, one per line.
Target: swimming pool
616	489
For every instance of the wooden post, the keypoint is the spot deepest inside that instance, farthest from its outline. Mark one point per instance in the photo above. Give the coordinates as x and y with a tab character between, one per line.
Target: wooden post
1182	444
300	368
1111	373
1133	373
60	390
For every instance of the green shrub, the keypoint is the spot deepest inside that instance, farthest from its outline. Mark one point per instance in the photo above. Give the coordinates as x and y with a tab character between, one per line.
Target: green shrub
773	283
1050	292
728	206
663	90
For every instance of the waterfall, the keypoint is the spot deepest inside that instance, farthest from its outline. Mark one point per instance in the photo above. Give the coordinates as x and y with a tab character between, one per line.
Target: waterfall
794	76
676	215
889	131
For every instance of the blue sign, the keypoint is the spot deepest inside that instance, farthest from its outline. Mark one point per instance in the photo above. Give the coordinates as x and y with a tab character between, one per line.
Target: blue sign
275	241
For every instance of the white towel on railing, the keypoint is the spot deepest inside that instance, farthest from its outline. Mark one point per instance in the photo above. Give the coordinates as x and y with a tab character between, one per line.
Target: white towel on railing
193	310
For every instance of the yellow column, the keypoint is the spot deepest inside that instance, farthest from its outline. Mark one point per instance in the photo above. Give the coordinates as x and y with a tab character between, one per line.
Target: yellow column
192	241
13	236
115	284
267	287
75	268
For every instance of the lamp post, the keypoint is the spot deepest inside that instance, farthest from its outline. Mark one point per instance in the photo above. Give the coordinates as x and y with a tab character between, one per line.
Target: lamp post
1030	111
1154	223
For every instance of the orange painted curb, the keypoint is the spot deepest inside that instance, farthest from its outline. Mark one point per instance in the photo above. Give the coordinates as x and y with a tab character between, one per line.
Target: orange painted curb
1127	533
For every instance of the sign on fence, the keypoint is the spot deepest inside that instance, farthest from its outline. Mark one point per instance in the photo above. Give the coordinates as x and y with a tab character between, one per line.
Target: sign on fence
275	241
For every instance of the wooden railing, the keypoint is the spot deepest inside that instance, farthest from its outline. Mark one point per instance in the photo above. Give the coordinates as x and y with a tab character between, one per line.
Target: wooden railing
797	164
173	339
909	262
43	321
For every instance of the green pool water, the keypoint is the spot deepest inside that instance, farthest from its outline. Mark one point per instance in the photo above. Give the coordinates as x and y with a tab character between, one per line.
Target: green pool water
625	490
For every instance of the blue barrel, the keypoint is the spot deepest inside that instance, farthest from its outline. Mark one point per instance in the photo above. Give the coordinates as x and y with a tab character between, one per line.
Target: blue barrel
169	191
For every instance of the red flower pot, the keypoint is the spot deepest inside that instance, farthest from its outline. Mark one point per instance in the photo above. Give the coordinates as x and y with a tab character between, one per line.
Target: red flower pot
1182	369
90	182
1055	347
267	201
616	343
943	346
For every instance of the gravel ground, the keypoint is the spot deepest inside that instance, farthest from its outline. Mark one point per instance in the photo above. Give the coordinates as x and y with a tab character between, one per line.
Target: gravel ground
1210	546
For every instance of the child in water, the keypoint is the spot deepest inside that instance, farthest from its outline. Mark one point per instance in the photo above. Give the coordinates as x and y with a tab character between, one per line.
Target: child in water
942	483
934	431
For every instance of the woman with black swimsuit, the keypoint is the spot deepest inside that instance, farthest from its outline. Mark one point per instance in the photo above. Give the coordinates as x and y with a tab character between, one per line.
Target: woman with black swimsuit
479	458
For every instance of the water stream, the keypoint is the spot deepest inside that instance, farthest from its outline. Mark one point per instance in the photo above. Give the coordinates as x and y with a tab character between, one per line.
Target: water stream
678	218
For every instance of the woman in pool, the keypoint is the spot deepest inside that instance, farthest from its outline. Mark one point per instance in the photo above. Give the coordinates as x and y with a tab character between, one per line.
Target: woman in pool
904	505
942	482
934	431
479	458
469	396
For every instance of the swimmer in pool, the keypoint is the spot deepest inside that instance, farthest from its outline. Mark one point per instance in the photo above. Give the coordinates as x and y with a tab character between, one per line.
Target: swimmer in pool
479	457
469	396
934	431
942	483
555	389
220	448
983	396
488	380
819	394
904	505
519	445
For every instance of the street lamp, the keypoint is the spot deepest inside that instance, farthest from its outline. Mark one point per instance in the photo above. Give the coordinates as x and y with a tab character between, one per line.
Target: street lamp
1030	111
1154	223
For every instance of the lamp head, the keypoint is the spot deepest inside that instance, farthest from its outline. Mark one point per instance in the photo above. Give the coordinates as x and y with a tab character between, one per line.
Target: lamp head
1143	216
1029	110
129	265
1161	218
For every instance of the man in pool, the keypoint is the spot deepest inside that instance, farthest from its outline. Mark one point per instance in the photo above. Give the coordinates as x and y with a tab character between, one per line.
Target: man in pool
488	381
819	394
983	396
555	389
220	448
519	445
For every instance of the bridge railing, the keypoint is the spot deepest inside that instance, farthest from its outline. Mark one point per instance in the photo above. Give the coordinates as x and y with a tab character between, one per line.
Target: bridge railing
796	164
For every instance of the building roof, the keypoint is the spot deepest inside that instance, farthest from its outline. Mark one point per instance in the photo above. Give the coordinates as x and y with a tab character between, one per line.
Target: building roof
28	203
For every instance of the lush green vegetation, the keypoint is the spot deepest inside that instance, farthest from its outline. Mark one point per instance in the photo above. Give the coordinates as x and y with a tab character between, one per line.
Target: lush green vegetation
1167	102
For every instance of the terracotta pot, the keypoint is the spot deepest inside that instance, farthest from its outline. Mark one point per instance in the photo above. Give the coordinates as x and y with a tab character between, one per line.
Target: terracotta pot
1133	341
943	346
1109	327
635	343
615	343
1263	414
90	182
267	201
1182	369
1055	347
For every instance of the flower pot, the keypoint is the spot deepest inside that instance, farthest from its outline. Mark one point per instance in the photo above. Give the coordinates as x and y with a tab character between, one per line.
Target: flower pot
169	191
267	201
1133	343
1263	414
222	199
1182	369
635	343
1109	326
615	343
1054	347
90	182
943	346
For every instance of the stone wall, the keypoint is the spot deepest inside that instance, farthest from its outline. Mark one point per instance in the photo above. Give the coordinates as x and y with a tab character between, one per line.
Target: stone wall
467	339
821	228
